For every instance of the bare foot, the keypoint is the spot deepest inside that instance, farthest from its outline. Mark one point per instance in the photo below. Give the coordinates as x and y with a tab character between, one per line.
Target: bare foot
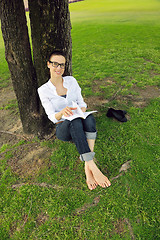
99	177
92	184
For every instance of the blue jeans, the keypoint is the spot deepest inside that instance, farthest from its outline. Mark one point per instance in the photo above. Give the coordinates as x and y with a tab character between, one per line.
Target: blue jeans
78	131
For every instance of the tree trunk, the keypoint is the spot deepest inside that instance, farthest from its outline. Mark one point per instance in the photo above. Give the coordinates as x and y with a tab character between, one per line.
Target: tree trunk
19	59
50	29
50	25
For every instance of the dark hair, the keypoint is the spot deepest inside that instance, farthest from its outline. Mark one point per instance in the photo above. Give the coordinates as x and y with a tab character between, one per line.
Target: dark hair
56	52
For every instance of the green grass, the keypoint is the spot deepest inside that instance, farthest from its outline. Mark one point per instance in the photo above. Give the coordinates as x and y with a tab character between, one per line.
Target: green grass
114	11
4	72
122	45
12	105
116	40
127	53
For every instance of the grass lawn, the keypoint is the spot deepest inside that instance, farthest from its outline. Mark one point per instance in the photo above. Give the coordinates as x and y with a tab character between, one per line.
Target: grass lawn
116	60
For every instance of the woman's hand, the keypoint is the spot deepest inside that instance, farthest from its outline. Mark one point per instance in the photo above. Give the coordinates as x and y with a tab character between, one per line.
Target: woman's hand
83	109
67	111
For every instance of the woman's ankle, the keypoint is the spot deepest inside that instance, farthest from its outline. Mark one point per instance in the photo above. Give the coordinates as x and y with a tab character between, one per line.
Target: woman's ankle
90	164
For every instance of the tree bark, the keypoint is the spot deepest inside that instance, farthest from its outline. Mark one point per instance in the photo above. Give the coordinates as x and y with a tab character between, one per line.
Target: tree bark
19	59
50	26
51	30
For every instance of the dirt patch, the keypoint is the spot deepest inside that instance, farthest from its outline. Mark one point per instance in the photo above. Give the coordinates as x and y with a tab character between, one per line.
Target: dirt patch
10	128
6	94
86	206
9	119
121	227
148	92
142	96
95	101
98	85
29	159
42	218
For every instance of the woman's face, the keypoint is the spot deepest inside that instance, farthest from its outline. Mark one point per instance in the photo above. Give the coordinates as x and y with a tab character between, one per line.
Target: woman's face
56	64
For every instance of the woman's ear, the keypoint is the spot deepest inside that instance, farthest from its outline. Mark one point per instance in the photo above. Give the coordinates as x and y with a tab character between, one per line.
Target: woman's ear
48	64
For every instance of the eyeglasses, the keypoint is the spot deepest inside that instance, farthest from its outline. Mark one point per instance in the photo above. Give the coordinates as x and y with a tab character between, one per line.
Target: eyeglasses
56	64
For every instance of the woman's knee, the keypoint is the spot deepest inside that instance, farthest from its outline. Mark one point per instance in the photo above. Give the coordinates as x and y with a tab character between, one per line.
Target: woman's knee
90	124
62	131
77	123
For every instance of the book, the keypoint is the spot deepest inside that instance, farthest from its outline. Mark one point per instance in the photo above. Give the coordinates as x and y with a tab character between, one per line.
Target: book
78	113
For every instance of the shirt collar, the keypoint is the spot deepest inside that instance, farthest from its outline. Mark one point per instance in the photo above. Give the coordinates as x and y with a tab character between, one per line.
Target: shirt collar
65	84
51	84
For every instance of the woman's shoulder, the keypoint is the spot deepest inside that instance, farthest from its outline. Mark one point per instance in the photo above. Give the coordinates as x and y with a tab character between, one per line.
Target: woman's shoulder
70	80
43	87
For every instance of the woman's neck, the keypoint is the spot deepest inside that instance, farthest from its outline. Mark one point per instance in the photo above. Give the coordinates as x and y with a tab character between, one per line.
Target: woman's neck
57	80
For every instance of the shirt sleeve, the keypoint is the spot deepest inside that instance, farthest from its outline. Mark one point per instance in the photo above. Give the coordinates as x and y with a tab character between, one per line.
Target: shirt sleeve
47	105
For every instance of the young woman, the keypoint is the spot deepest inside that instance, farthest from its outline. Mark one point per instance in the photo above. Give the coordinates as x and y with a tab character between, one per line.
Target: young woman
56	97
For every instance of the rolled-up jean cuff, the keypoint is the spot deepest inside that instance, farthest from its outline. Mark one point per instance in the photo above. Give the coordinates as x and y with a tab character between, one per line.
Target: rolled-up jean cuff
85	157
91	135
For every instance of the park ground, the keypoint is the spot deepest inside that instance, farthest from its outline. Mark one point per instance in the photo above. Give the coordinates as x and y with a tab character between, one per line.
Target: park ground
30	159
116	60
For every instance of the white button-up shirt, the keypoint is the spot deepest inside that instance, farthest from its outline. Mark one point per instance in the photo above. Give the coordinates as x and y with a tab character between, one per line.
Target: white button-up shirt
53	103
